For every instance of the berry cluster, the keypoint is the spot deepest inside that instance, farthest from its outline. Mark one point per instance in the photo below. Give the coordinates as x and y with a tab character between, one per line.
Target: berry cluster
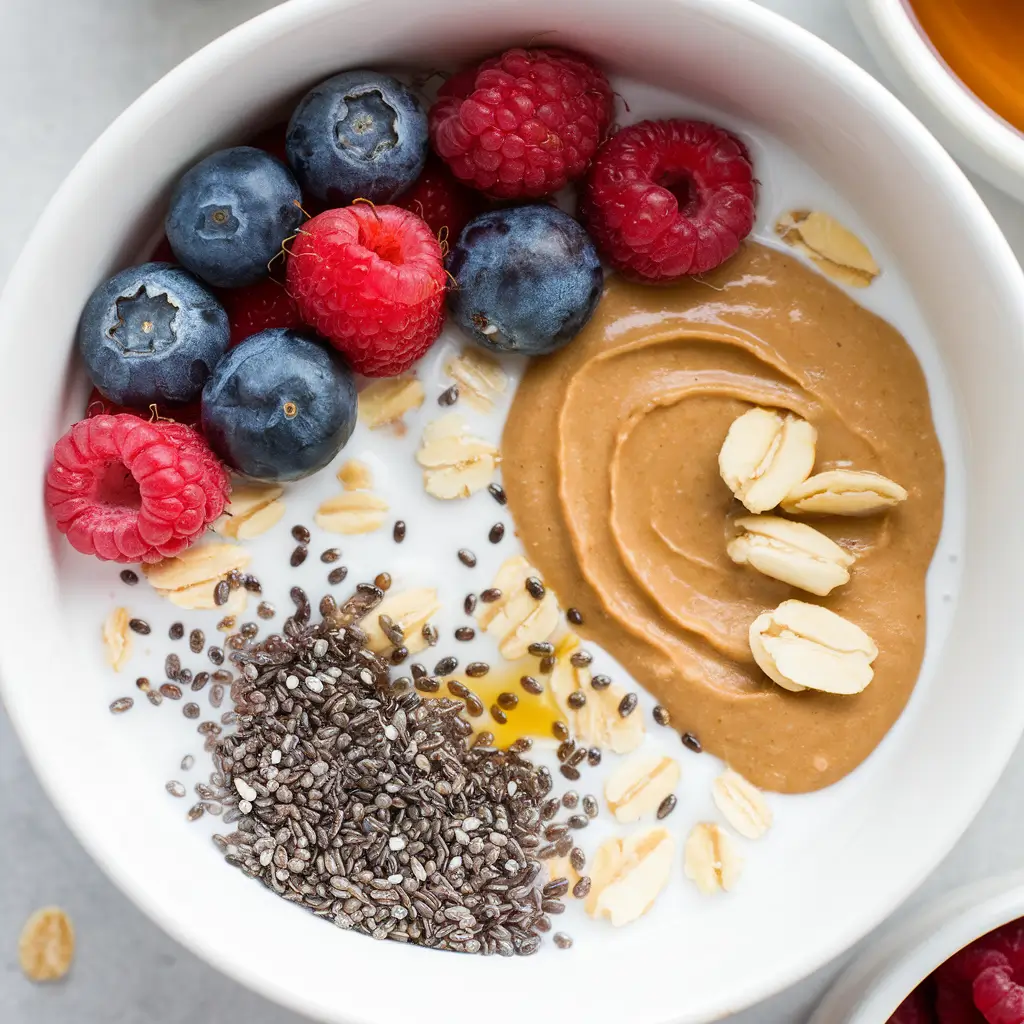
320	250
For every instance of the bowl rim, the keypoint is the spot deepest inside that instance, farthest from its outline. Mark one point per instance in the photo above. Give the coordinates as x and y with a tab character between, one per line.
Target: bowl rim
943	89
744	16
884	975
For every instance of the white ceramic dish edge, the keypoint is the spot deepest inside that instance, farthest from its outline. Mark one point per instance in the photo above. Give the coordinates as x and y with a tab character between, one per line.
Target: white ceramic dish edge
871	989
963	124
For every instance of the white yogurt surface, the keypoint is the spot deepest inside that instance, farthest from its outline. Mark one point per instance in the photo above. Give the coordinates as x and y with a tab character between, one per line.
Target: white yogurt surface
159	737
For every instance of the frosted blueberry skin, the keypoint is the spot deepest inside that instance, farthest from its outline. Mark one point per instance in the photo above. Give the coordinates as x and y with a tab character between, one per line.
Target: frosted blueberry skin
279	406
231	213
528	280
152	333
358	135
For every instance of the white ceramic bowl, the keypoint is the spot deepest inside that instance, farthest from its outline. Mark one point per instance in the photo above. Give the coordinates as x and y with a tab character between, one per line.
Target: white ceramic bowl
868	842
875	984
970	130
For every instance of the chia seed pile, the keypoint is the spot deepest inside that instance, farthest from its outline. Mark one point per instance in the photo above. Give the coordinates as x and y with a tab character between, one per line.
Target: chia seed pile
368	806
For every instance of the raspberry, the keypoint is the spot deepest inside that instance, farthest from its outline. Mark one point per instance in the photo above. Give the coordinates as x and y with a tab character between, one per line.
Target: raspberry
258	306
915	1009
669	198
130	491
441	200
370	280
953	1005
522	124
999	998
189	413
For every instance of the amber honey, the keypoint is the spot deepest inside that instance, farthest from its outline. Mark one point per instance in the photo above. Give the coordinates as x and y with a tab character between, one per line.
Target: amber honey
982	41
534	715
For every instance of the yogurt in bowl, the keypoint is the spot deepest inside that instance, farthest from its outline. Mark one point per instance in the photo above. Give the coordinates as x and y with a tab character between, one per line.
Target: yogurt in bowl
826	140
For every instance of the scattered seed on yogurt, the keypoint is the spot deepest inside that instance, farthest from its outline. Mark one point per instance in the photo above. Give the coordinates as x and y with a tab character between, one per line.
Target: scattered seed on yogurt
399	531
575	616
591	806
534	587
190	710
477	669
507	701
497	492
216	655
121	705
431	635
170	691
143	684
175	788
382	580
449	396
531	685
336	576
600	682
667	806
129	577
300	533
594	756
465	633
200	680
140	626
691	742
221	593
467	558
560	730
298	555
187	762
496	533
576	699
469	604
176	631
661	715
490	595
547	665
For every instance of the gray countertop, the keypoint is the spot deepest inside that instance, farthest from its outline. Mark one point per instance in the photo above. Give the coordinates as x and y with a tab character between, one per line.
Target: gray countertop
67	67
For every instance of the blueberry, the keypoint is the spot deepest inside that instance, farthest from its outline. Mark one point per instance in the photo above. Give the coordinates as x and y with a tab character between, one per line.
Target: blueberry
528	279
359	135
150	334
230	214
279	406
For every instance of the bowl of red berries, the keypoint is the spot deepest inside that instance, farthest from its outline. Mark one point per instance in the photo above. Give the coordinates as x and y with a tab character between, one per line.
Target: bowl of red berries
957	961
528	482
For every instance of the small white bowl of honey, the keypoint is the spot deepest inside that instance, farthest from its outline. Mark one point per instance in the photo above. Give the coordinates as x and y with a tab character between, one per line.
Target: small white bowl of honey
959	65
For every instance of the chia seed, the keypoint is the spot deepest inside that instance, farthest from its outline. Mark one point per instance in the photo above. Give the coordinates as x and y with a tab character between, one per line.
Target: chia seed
216	655
547	665
507	701
667	806
129	577
692	743
221	593
301	534
449	396
661	715
352	849
477	669
628	705
177	631
467	558
497	533
336	576
534	587
196	641
574	616
382	580
469	605
497	492
465	633
121	705
299	555
531	685
140	626
541	648
576	699
398	533
330	555
600	682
